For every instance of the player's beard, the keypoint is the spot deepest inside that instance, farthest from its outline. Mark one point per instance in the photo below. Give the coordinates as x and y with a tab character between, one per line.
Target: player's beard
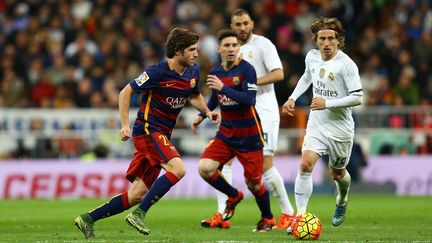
229	63
244	37
186	63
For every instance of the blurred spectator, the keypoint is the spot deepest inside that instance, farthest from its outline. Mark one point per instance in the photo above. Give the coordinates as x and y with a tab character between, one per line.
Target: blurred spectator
70	144
43	89
43	145
406	89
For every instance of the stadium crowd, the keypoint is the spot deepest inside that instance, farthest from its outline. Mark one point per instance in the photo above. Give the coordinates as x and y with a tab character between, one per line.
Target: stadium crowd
78	53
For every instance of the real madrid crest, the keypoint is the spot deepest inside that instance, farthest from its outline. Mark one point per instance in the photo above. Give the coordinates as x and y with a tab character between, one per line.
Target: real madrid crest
192	82
322	72
250	55
331	76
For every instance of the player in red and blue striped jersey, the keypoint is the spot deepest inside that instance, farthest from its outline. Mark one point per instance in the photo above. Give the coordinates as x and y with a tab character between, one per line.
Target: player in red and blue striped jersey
166	87
240	133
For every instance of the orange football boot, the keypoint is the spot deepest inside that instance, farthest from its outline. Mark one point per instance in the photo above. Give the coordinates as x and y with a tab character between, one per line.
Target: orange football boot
216	222
284	221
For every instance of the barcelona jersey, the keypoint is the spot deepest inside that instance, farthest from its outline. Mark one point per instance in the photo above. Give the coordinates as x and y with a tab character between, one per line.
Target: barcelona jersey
240	127
165	93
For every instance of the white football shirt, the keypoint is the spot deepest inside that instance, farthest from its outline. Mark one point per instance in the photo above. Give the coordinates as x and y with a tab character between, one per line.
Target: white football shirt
262	54
332	79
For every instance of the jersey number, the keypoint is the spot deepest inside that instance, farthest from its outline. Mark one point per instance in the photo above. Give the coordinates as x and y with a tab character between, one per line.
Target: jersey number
165	140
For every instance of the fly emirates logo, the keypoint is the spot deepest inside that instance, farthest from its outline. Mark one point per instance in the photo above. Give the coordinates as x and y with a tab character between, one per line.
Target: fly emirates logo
176	102
225	100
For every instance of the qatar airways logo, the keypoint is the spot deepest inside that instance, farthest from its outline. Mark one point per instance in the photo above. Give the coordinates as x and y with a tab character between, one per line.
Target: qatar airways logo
225	100
176	103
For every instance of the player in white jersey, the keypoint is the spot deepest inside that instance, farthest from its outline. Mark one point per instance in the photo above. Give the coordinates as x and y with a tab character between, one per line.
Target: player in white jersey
262	54
330	130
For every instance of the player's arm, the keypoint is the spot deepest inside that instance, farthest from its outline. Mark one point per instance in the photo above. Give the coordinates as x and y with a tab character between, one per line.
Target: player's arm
197	100
124	105
301	87
146	80
211	104
245	96
271	60
353	99
274	76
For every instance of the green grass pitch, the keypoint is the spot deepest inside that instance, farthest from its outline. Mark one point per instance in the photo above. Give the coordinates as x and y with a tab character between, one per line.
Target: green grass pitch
370	218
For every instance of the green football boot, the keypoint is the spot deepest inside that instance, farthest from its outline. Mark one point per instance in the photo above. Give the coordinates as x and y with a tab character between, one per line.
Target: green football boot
85	224
136	220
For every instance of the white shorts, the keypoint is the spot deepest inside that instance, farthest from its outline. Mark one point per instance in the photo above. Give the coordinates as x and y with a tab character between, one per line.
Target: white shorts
271	132
339	152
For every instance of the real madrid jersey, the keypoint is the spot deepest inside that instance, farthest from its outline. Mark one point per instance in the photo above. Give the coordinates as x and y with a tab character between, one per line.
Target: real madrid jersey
263	56
165	93
332	79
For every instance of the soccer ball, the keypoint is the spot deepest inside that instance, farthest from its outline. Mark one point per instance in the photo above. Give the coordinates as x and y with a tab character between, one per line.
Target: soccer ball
306	227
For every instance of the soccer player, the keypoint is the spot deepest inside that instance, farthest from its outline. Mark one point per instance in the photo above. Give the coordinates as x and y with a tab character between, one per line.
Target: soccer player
233	85
330	129
165	87
262	54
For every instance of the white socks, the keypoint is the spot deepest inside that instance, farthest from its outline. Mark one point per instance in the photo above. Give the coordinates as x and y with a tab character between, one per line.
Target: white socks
276	187
303	190
343	187
221	197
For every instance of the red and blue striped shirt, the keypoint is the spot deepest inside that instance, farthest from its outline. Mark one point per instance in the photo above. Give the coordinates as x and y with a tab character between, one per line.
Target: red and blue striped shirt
165	93
240	127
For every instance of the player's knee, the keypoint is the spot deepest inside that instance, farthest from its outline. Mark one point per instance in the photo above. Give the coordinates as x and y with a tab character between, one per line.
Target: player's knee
253	185
204	169
268	163
180	172
337	175
306	167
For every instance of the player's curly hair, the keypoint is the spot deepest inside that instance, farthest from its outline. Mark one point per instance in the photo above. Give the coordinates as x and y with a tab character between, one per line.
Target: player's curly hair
179	39
323	23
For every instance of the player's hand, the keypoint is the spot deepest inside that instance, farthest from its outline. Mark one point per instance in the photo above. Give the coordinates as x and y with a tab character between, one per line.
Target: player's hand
195	123
125	133
318	103
214	117
214	83
288	107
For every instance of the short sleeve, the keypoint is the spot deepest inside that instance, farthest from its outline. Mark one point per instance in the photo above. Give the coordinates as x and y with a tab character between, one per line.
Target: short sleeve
149	79
270	55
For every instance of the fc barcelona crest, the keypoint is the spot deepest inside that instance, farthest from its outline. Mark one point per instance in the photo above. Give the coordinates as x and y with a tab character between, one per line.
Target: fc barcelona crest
236	80
192	82
322	72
